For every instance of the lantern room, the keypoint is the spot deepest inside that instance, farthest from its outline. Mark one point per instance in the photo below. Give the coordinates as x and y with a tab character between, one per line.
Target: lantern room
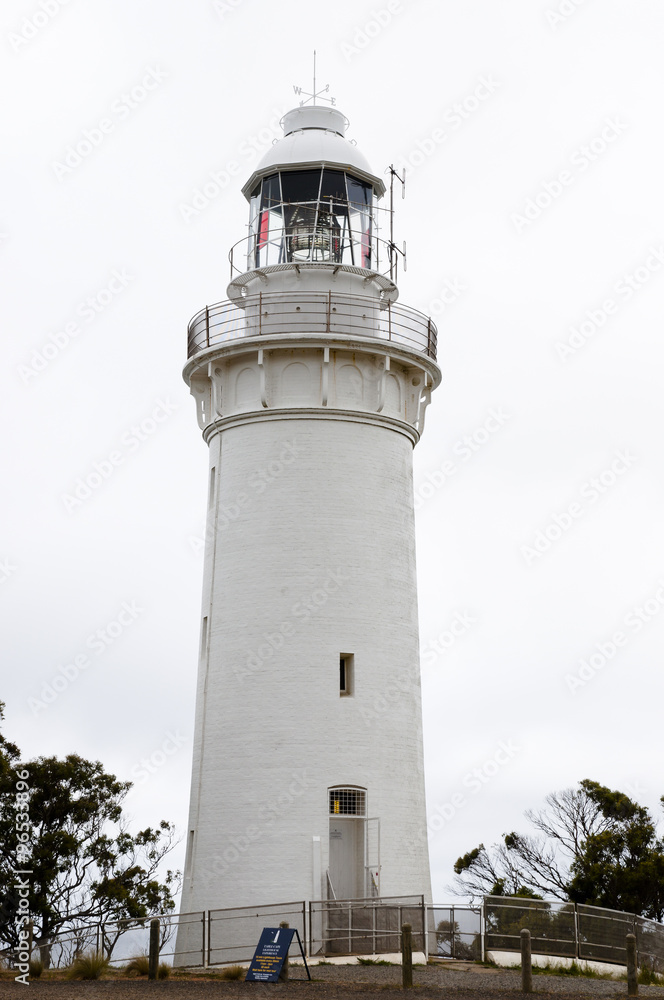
312	197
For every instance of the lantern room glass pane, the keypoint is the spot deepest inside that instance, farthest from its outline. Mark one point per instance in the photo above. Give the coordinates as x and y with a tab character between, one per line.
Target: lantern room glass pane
300	185
333	187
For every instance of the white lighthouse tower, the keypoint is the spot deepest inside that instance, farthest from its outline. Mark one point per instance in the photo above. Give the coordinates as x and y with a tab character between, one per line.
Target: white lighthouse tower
311	386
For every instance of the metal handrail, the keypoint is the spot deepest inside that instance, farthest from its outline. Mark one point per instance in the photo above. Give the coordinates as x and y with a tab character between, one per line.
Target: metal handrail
337	315
281	240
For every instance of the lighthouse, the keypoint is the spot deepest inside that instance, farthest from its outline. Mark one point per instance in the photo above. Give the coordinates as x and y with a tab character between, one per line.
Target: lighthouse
311	383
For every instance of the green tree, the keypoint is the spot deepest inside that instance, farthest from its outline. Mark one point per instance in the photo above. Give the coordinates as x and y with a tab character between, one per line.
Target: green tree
592	845
86	865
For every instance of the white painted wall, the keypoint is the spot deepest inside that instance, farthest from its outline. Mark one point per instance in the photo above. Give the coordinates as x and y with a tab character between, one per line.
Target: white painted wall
314	556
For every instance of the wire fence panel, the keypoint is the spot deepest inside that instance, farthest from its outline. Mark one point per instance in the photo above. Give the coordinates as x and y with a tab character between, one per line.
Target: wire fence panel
455	932
552	926
650	943
602	933
233	934
365	926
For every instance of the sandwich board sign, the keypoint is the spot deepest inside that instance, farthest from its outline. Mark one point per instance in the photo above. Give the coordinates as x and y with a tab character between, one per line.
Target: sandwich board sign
271	953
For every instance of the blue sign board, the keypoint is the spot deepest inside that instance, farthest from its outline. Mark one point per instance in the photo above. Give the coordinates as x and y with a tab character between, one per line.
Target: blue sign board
270	955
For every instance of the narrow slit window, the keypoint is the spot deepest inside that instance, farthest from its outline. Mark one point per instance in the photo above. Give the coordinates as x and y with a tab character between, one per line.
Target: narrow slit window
213	472
190	852
346	664
204	637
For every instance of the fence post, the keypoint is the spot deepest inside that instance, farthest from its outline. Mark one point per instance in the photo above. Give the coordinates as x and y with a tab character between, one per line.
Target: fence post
425	931
632	982
153	958
577	946
483	948
406	956
526	962
285	971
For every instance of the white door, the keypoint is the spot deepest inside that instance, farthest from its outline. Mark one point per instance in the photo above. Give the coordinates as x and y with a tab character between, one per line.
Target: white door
346	857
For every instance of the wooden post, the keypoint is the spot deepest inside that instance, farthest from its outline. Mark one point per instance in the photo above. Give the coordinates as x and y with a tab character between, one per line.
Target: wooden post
153	959
285	971
406	955
526	962
632	982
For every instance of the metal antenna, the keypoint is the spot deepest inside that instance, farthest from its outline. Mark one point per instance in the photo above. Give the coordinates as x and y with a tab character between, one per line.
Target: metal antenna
393	249
315	94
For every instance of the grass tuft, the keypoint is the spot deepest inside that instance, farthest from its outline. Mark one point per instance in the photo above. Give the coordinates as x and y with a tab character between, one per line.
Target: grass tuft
35	968
233	972
373	961
91	965
139	966
648	977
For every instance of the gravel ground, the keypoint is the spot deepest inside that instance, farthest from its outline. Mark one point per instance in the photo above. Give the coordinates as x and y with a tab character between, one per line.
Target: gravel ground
337	983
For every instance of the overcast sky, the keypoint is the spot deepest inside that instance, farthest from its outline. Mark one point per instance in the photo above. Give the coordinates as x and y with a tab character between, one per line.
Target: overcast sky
532	135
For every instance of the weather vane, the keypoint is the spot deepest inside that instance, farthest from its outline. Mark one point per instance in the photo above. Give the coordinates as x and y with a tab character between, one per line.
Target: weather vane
314	94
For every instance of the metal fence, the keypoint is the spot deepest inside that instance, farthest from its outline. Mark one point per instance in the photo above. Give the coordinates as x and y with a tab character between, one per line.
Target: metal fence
126	939
233	933
571	930
369	926
337	314
372	927
455	932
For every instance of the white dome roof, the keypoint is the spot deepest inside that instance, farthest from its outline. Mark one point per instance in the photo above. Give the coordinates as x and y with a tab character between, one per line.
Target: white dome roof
314	136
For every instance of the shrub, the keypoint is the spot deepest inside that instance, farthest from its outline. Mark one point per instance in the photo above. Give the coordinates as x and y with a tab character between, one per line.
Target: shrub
91	965
140	965
164	971
648	977
233	972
